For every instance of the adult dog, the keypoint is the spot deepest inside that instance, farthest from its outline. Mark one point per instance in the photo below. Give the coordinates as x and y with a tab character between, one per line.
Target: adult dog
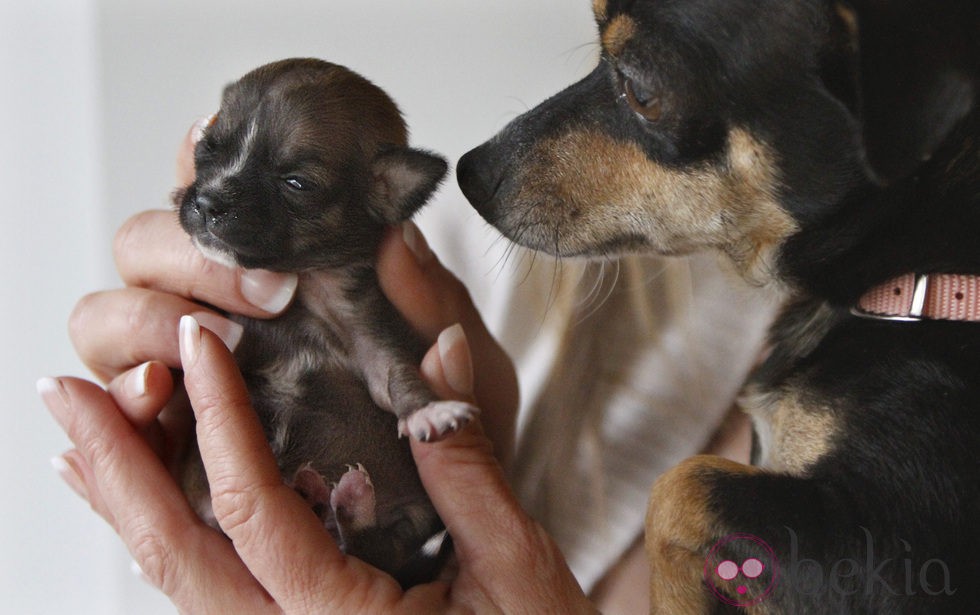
743	126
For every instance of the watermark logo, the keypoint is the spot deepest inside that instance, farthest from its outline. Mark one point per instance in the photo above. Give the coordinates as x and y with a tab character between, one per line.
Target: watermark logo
750	577
751	580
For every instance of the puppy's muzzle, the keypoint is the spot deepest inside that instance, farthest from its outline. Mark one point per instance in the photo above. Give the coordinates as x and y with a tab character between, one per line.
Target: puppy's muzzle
209	221
210	210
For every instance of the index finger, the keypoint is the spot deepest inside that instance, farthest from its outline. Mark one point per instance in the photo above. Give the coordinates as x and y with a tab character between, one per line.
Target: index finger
185	152
274	531
153	251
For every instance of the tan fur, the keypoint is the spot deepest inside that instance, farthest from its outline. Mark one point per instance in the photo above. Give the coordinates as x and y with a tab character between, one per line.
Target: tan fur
584	189
600	10
793	433
617	34
678	528
849	17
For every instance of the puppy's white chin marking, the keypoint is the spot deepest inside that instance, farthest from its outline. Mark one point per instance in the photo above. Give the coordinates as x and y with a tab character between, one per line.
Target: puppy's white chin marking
214	255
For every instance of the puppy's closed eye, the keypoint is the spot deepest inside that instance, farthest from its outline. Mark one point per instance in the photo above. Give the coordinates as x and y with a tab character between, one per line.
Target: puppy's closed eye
298	183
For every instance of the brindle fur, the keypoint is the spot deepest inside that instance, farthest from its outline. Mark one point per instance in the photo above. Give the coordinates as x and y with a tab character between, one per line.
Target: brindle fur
304	166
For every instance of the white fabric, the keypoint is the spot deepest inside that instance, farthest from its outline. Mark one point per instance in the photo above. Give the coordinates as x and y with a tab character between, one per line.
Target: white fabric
658	403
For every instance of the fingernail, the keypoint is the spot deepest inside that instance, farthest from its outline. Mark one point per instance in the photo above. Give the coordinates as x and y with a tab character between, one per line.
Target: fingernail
267	290
229	331
200	126
190	339
457	365
135	384
71	475
54	396
416	242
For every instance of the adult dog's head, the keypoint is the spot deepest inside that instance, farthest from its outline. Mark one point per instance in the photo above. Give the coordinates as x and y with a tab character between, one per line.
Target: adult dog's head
302	165
724	124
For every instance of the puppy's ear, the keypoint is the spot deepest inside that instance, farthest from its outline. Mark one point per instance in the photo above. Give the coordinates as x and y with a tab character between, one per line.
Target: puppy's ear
403	180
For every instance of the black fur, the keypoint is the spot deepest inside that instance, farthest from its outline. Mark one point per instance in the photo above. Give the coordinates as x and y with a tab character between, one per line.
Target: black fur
877	178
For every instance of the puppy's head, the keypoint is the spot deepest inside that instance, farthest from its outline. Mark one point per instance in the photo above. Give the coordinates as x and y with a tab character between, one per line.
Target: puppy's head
302	166
706	124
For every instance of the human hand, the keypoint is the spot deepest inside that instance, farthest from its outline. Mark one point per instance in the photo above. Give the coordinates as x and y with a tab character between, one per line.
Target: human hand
280	558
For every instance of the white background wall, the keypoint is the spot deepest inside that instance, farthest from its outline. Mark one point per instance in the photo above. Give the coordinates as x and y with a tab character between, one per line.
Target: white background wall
94	97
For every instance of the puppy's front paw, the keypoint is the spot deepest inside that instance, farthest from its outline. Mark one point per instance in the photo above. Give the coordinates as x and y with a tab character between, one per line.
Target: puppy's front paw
352	501
437	419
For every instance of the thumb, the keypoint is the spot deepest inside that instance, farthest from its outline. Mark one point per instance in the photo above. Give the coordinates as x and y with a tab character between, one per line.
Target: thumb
467	486
462	476
492	535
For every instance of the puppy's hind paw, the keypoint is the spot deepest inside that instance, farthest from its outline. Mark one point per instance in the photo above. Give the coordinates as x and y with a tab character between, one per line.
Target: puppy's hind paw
352	500
311	485
436	420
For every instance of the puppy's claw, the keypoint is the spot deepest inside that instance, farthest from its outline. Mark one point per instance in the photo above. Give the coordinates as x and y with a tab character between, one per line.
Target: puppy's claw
353	500
436	420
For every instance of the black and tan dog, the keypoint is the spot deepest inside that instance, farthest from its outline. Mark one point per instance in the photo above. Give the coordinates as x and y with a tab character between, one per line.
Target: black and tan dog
304	166
738	125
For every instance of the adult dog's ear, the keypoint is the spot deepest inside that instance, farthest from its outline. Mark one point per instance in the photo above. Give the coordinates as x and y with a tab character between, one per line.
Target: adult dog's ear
403	180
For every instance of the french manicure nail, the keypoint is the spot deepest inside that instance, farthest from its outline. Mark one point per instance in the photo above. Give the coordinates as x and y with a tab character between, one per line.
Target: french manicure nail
229	331
135	384
416	242
70	475
457	365
267	290
53	394
190	339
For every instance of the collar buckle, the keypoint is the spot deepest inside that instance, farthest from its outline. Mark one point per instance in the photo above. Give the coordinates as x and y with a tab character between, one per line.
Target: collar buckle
920	288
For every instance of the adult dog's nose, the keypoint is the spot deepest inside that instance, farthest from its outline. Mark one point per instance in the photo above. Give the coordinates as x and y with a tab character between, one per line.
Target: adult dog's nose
478	177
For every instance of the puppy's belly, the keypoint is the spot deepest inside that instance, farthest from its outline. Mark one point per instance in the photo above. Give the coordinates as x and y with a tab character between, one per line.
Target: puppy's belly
318	415
316	411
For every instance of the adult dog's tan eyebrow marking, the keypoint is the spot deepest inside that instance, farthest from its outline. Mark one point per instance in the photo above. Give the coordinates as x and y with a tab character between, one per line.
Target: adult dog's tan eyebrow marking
599	9
620	30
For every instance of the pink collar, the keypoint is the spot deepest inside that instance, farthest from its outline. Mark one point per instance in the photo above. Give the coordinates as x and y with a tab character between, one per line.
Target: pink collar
914	297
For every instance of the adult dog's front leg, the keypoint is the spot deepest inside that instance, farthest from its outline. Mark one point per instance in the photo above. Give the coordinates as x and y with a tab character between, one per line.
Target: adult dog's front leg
682	528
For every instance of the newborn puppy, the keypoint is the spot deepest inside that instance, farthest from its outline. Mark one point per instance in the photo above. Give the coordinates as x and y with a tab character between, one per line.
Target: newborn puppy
302	169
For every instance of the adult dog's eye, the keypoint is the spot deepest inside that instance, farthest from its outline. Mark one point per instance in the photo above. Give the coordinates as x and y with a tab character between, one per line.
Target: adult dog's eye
642	101
296	183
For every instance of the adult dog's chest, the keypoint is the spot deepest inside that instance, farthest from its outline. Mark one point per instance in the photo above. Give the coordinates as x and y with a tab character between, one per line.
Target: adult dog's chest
795	425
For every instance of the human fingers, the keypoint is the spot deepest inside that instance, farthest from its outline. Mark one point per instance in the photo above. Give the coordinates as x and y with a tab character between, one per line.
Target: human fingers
142	392
153	251
448	366
114	331
185	152
507	561
274	531
432	299
192	564
75	472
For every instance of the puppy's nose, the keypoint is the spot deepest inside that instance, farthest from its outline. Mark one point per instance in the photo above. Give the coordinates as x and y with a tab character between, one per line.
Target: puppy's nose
208	208
478	177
